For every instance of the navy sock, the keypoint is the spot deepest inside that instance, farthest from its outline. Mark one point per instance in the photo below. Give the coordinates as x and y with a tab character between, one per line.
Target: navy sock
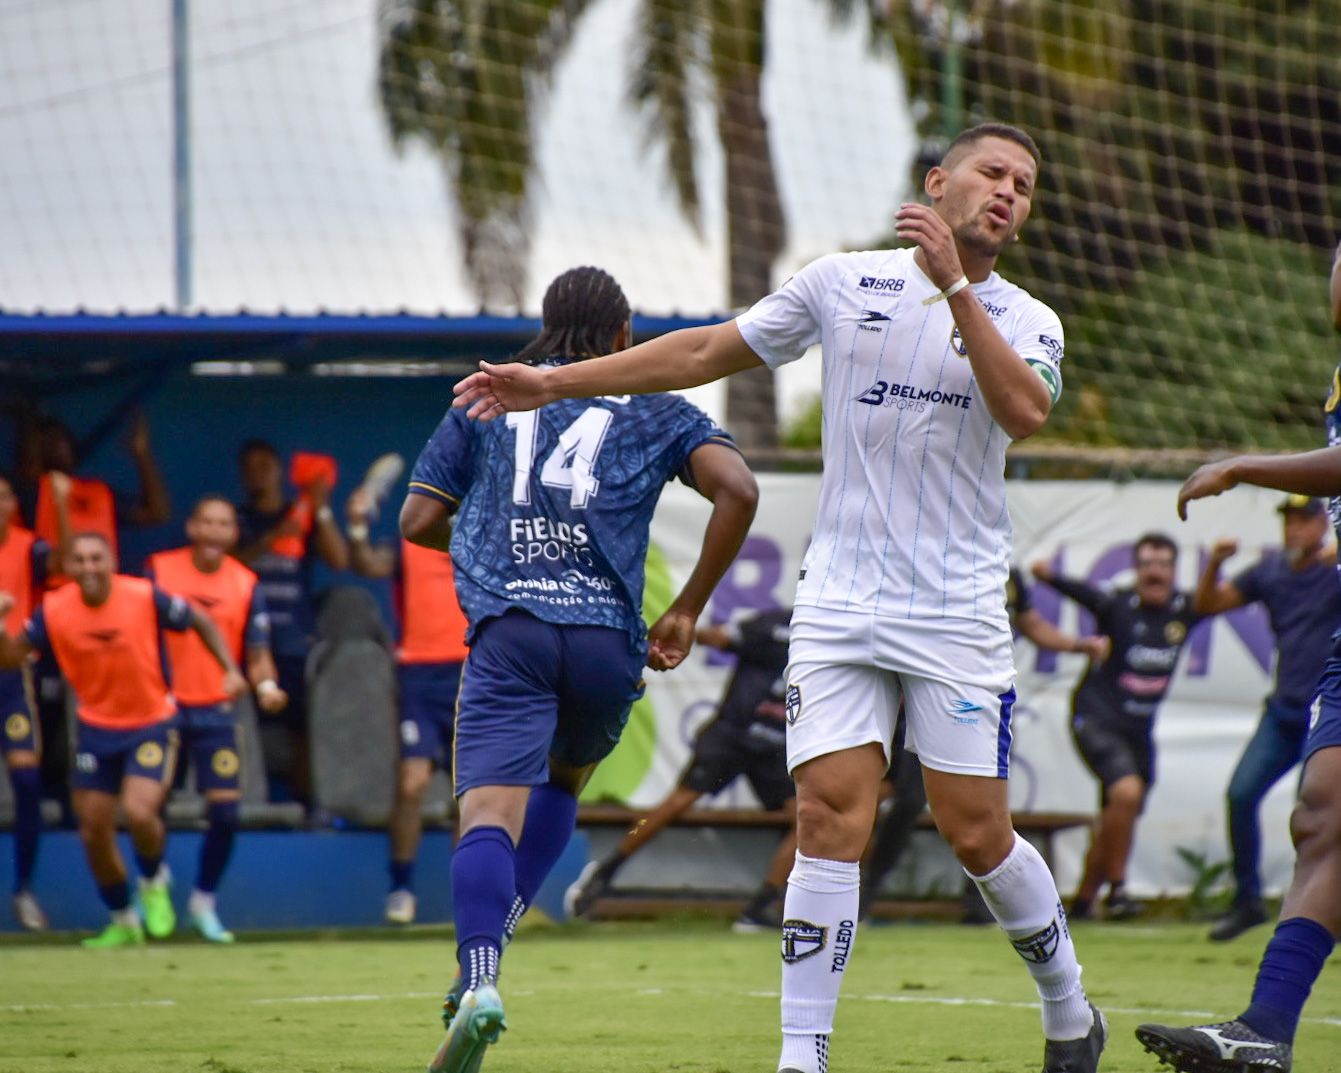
484	880
149	866
551	816
116	896
402	875
217	846
27	783
1293	959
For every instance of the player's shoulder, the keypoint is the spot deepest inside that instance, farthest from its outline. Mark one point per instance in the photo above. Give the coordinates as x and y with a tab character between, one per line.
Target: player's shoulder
1014	299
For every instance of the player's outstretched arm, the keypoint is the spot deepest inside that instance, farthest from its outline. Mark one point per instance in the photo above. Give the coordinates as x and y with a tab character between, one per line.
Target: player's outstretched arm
1214	596
1312	473
687	358
1047	636
14	651
721	476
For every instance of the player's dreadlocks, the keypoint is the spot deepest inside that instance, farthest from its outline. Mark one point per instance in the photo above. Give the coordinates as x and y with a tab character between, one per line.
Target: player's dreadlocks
584	309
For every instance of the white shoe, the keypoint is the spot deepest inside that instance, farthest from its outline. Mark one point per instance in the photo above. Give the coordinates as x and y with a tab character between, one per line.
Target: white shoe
400	907
29	913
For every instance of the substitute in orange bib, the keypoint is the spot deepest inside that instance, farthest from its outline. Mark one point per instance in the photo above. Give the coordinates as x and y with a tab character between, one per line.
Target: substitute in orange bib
429	658
23	561
105	632
227	592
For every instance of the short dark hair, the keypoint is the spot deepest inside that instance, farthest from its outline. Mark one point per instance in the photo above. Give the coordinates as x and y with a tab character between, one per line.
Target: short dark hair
211	497
966	139
257	445
1153	540
583	310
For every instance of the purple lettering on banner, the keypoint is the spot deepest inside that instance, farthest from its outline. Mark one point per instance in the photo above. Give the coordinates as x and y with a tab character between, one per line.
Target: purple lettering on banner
749	585
1250	623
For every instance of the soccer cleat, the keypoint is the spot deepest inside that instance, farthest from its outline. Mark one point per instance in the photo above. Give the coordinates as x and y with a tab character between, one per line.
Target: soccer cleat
400	907
1229	1047
206	921
591	883
452	1001
1077	1055
160	918
1120	907
29	913
1241	917
751	922
115	935
478	1022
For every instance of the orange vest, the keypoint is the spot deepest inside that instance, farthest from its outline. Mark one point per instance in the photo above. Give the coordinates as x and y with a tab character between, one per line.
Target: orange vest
92	510
225	596
110	654
432	625
16	575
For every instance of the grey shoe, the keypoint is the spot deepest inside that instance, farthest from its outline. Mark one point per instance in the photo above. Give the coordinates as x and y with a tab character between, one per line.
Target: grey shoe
1229	1047
1077	1055
1241	917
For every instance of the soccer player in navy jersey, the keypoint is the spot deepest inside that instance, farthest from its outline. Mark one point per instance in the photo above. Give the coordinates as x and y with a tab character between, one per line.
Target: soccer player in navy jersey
546	517
931	364
1261	1039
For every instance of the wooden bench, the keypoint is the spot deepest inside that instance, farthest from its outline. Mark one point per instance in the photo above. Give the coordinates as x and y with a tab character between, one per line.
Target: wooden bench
1043	826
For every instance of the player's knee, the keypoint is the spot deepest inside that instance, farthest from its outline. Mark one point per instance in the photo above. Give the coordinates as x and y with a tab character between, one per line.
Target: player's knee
140	811
1315	826
830	830
1127	795
981	846
413	780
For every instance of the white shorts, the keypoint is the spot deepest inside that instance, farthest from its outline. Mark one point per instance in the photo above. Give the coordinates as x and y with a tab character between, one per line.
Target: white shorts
848	672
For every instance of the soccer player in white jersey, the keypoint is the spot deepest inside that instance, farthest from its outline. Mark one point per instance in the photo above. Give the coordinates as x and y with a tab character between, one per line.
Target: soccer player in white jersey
932	364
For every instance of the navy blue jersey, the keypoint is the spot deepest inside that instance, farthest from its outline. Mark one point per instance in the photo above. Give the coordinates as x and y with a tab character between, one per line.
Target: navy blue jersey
284	581
555	504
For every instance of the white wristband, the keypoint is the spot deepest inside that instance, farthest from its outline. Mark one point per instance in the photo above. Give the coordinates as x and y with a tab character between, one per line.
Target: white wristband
358	532
267	686
326	514
953	289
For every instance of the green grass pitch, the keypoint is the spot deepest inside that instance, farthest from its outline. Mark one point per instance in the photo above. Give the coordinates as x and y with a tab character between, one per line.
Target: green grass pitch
684	995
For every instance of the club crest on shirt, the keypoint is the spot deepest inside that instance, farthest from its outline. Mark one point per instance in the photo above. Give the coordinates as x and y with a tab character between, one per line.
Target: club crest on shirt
957	343
1174	632
792	703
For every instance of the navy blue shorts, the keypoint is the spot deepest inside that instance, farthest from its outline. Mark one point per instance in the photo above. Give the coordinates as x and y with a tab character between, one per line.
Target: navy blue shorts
16	712
209	739
531	690
428	710
104	757
1324	726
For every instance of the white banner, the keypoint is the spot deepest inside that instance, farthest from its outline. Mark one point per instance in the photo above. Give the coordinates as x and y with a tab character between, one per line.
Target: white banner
1086	529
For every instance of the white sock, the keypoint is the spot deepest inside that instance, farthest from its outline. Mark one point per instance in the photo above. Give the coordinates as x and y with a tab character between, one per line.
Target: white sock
1023	897
200	902
819	926
128	917
159	879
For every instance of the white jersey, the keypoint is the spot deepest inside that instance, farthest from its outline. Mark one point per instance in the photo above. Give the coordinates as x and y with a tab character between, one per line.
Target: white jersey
912	520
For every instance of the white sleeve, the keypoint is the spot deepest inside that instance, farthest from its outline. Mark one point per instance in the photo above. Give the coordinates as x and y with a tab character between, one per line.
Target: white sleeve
781	327
1038	339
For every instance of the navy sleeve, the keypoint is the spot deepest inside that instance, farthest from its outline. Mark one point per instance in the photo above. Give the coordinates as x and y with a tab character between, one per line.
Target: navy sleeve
688	429
35	633
1094	600
1249	582
444	467
257	633
174	613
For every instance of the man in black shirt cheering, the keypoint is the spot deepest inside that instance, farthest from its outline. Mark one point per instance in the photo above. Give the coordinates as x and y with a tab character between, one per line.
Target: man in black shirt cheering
747	737
1113	708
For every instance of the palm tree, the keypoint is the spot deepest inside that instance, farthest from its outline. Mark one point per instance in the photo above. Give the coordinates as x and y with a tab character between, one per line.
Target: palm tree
467	76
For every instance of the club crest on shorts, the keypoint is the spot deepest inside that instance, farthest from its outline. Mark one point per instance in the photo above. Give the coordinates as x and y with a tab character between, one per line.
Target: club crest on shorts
801	939
17	727
225	763
792	702
1039	947
149	754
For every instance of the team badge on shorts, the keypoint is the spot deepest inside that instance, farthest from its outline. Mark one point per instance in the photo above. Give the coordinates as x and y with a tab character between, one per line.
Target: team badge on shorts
801	939
225	763
792	701
1174	632
17	727
149	754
